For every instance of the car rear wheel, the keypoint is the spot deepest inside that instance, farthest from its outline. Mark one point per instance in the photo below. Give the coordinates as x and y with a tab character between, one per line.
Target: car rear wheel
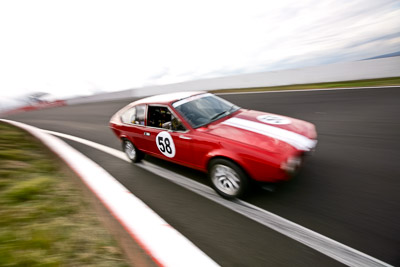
227	178
131	151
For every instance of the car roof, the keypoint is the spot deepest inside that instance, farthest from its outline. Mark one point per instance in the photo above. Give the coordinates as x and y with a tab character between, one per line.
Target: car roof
166	98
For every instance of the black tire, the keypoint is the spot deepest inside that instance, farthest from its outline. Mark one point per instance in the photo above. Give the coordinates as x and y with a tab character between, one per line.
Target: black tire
227	178
134	154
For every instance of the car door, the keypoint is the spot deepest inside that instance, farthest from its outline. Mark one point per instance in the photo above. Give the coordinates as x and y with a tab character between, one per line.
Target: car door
166	137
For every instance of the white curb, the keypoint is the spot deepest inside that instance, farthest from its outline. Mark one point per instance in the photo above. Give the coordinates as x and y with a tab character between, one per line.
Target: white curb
165	245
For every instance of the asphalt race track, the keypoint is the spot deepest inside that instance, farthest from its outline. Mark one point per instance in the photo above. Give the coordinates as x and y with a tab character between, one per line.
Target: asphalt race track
347	191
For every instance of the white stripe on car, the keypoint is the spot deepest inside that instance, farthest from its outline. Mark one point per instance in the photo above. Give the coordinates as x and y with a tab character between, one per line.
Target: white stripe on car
294	139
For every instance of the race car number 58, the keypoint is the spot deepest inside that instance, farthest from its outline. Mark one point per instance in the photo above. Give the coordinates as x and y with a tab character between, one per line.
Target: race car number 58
165	144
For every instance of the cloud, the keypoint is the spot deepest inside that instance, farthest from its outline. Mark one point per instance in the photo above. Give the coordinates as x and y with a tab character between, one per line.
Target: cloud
85	46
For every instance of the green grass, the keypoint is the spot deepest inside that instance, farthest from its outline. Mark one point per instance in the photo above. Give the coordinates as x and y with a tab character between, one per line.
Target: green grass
44	219
358	83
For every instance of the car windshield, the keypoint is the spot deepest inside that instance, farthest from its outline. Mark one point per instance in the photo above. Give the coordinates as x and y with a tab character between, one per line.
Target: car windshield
200	110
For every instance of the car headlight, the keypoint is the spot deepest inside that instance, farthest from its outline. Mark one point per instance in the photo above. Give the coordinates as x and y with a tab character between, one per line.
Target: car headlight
291	165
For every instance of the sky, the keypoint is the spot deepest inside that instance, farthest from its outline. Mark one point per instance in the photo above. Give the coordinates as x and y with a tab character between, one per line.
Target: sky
83	47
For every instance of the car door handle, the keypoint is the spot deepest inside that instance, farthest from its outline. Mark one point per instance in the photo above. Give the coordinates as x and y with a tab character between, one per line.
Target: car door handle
184	137
146	134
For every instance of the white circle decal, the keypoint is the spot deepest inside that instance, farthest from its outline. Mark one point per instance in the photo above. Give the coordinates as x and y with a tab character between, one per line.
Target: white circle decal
273	119
165	144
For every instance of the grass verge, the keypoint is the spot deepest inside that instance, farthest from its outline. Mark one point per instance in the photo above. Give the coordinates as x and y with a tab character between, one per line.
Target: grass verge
45	220
358	83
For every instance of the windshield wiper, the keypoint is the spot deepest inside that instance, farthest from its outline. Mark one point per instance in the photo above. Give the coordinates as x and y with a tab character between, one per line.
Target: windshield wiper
222	113
216	116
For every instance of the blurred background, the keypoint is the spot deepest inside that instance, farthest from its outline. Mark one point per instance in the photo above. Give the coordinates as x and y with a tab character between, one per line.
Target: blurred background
57	50
59	53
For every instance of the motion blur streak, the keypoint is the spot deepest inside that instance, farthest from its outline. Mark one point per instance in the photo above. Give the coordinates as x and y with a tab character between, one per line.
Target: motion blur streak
325	245
306	90
165	245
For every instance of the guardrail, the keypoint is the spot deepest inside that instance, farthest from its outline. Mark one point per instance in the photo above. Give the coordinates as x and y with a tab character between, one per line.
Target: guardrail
346	71
53	104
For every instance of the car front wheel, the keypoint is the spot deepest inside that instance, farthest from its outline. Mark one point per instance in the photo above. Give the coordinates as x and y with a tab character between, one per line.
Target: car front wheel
227	178
131	151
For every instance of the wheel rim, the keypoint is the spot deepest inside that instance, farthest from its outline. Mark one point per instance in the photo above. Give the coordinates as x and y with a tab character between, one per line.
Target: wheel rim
130	150
225	179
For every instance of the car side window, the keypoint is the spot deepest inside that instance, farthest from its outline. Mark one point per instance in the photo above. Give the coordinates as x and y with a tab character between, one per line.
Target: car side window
129	116
161	117
140	114
158	116
134	115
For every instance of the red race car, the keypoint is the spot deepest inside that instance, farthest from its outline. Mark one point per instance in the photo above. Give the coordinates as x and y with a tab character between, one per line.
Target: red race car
205	132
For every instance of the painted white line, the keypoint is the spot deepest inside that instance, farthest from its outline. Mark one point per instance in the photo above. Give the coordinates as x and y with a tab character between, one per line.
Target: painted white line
323	244
163	243
308	90
106	149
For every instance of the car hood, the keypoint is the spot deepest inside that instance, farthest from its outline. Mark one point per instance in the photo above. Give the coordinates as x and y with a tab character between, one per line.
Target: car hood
266	130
